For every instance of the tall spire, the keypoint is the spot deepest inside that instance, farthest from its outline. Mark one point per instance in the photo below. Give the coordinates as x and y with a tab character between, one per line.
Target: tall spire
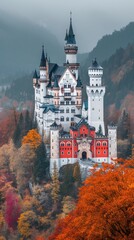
43	59
70	37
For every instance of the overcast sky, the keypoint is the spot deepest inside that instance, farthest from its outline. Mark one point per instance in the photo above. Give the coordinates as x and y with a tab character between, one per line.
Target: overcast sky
91	19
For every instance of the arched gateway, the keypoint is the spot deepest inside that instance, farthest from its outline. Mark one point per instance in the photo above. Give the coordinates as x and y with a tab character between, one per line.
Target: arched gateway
84	155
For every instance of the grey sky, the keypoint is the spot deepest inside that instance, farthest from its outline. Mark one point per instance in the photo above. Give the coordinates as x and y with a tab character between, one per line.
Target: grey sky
91	19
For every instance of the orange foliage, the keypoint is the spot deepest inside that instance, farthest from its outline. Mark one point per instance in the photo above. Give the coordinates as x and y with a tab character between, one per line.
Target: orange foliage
40	238
105	209
32	138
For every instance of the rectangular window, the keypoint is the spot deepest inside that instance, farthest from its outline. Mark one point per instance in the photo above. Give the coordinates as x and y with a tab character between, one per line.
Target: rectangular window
72	102
72	110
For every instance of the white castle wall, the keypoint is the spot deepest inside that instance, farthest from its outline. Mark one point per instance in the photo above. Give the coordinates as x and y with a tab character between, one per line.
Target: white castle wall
96	107
96	92
112	136
54	149
71	58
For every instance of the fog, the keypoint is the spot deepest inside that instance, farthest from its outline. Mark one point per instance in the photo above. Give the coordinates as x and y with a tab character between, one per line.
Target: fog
91	19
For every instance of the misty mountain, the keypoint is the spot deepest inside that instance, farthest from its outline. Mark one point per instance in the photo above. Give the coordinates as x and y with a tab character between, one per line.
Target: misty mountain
106	47
119	81
20	45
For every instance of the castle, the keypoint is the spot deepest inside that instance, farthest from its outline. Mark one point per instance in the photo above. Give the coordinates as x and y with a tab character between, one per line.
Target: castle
72	130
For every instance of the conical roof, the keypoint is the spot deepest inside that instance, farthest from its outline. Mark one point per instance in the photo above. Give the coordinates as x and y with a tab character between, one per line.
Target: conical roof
43	58
35	74
70	37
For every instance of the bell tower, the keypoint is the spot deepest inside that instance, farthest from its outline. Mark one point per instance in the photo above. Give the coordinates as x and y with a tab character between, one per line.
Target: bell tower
96	92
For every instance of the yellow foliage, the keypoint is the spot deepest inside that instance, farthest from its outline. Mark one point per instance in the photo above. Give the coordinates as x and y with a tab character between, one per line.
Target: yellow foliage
2	238
26	222
32	138
2	221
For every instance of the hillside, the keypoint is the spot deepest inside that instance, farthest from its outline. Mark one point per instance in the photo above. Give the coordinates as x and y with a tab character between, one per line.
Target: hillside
108	44
119	81
21	43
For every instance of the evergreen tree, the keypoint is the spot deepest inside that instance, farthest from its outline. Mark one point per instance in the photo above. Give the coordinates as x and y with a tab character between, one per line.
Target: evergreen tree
67	186
28	122
124	126
100	131
19	131
41	164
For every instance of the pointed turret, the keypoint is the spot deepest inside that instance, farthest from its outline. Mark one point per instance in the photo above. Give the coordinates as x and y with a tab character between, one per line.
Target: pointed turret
71	49
43	66
70	37
35	74
35	78
43	58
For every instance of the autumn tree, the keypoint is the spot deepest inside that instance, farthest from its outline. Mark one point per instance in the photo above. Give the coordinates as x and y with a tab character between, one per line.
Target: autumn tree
55	185
24	162
68	204
12	209
26	222
40	238
32	138
105	208
7	126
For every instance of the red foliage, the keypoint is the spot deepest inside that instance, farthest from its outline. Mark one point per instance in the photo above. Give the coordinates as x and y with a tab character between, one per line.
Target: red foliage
105	209
40	238
13	209
8	121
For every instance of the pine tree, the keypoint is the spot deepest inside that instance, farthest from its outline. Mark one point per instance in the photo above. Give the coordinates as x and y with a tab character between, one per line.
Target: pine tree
19	131
41	164
100	131
28	122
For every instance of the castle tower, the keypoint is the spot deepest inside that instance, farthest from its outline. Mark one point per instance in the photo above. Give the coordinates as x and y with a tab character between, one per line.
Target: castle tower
112	137
96	92
43	76
54	147
71	50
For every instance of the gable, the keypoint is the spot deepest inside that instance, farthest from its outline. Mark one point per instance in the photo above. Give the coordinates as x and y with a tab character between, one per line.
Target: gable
67	79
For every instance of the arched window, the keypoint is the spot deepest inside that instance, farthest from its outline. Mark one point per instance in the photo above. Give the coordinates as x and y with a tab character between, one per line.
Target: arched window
62	144
68	143
62	110
98	143
67	119
67	110
62	119
104	143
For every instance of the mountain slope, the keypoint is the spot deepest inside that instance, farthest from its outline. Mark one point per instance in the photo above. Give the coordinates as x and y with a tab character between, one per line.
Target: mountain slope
21	43
106	47
119	80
